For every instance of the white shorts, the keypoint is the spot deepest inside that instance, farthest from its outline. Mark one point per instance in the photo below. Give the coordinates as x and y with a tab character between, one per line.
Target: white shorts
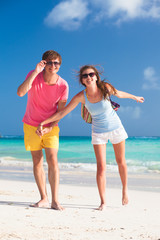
115	136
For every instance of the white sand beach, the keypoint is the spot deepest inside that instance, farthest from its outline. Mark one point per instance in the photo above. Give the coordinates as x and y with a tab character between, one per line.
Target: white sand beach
80	220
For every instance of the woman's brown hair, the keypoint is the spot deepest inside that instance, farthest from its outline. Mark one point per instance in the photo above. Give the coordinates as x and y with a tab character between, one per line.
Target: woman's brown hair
101	84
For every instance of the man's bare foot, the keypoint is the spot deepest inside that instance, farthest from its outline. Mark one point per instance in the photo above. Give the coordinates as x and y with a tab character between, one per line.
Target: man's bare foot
124	198
102	207
57	206
41	204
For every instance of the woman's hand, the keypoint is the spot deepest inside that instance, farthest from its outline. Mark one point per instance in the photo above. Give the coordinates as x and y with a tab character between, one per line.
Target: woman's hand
44	130
139	99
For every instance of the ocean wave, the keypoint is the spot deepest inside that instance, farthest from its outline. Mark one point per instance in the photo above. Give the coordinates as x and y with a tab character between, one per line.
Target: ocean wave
145	137
12	136
133	166
144	166
11	161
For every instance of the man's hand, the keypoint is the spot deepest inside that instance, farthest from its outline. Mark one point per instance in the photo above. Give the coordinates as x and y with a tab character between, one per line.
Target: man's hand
46	130
40	66
27	84
41	131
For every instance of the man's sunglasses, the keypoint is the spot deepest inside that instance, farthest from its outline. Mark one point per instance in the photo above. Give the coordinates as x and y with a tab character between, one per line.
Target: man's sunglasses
92	74
50	63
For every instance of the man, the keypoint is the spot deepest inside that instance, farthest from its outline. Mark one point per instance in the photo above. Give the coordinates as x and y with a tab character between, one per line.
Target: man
47	94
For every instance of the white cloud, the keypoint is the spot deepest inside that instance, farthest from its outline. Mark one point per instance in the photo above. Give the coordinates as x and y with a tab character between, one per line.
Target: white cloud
68	14
111	8
151	80
123	10
133	112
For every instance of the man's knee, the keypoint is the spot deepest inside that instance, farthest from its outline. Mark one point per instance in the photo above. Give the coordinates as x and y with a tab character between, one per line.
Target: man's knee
52	162
37	157
51	157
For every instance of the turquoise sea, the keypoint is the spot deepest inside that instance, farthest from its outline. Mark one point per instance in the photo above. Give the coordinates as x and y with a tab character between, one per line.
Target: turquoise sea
142	153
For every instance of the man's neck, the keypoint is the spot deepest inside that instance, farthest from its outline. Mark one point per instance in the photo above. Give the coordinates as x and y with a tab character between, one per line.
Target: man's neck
50	78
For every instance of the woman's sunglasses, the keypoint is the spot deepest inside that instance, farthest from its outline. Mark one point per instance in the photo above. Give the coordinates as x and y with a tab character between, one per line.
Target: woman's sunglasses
92	74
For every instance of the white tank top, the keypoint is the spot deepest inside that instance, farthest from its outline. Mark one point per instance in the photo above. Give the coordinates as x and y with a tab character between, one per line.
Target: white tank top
104	118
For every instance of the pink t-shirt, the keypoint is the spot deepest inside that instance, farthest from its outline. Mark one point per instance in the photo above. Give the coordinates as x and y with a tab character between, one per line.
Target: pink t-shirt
43	99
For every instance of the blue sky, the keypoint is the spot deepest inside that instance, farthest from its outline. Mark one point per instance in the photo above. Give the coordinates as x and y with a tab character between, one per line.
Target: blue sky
122	36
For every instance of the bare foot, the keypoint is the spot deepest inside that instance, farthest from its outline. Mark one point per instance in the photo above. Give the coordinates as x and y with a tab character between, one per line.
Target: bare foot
102	207
41	204
57	206
124	198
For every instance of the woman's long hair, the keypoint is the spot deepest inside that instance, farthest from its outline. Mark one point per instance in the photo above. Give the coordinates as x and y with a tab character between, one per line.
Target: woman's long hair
100	84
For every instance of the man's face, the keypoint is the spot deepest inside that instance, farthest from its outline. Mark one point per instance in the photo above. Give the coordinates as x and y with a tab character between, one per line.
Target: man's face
53	65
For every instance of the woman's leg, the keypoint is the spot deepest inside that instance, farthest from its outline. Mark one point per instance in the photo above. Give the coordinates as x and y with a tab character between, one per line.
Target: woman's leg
119	150
100	152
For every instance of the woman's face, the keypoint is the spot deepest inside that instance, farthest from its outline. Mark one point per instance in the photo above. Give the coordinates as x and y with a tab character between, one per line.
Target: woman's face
89	77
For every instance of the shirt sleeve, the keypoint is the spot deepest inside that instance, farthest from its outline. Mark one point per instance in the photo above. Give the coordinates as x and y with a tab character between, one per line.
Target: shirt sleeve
29	74
65	92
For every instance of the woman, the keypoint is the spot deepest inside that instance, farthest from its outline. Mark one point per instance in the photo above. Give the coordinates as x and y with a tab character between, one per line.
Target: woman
106	125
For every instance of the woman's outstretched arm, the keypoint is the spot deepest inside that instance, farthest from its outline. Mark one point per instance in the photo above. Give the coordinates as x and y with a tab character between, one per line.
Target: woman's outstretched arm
121	94
57	116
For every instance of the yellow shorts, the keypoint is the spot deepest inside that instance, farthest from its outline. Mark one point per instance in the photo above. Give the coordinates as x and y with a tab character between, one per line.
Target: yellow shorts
34	143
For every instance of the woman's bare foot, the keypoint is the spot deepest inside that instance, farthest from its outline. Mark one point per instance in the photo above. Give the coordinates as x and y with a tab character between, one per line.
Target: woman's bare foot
102	207
57	206
41	204
124	197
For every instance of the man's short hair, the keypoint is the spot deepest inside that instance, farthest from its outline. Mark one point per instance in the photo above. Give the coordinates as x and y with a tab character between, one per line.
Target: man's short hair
51	54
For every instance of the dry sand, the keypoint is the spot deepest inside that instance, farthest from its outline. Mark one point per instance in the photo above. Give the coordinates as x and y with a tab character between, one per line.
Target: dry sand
80	220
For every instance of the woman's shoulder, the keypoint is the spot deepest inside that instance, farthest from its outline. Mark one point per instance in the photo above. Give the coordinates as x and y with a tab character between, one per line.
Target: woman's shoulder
80	93
110	88
108	85
80	96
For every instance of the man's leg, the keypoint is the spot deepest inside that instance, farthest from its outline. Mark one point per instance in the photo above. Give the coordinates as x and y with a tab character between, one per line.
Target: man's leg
53	176
40	178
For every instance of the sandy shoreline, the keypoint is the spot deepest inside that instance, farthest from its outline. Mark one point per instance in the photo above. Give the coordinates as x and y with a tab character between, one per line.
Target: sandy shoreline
136	181
80	220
